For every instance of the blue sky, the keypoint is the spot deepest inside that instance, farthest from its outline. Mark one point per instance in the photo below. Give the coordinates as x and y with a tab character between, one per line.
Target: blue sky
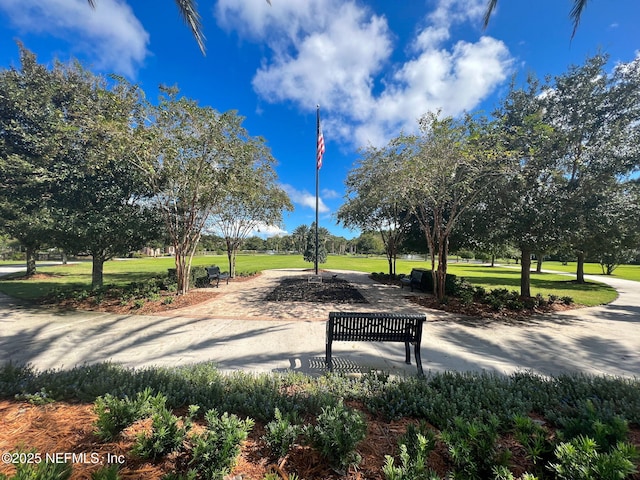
373	66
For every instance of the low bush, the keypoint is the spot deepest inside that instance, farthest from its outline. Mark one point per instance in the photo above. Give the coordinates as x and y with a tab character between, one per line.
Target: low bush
338	431
280	434
415	446
473	447
581	459
116	414
215	451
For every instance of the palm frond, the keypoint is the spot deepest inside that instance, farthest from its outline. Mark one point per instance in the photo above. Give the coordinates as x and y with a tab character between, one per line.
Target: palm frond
491	6
576	13
92	3
189	12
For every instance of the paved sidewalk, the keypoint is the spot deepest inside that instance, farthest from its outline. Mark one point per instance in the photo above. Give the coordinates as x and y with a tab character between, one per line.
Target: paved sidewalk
238	330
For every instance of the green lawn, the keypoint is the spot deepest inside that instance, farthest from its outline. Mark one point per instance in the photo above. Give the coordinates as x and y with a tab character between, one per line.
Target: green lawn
121	272
628	272
543	283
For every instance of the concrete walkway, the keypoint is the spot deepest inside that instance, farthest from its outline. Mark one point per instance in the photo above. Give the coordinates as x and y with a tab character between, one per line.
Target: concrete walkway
238	330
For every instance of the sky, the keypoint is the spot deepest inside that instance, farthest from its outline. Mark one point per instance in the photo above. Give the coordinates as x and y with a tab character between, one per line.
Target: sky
374	67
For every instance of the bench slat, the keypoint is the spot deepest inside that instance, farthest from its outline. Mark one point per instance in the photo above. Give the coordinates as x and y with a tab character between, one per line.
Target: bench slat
376	327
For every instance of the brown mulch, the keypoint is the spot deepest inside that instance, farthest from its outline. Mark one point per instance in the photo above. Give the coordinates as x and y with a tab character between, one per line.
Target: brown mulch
486	312
296	289
193	297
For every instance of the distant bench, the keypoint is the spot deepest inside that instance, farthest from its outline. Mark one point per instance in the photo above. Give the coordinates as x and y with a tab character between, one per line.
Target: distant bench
415	279
213	273
376	327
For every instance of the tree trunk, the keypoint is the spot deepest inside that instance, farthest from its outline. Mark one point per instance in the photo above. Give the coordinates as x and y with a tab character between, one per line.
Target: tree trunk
31	260
580	268
64	258
97	269
493	260
182	274
231	258
525	273
539	263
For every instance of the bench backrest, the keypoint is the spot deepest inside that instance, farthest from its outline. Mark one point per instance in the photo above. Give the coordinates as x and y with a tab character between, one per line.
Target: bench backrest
213	270
417	275
372	327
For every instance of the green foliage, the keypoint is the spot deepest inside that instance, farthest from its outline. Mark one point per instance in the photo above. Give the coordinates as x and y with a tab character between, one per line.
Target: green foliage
168	432
116	414
415	447
473	447
605	429
338	431
534	439
581	460
215	451
39	398
106	473
309	254
280	434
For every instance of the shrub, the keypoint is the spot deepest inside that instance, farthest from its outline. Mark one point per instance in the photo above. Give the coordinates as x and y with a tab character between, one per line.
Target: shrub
167	434
106	473
566	300
473	447
281	433
533	439
116	414
415	447
605	429
338	431
216	450
581	460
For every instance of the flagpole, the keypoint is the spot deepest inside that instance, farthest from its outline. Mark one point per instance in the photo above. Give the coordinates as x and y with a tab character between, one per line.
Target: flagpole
317	181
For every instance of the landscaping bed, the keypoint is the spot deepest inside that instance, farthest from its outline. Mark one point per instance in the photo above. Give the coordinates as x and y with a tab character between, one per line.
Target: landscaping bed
300	289
290	426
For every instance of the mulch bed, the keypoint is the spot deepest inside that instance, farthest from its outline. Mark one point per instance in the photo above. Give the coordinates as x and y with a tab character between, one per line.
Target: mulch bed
300	289
483	313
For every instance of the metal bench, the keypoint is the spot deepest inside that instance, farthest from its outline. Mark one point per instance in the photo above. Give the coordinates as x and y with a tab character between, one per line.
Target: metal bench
213	273
376	327
415	279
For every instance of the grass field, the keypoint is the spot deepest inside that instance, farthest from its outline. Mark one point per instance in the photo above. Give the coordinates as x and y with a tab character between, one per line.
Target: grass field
120	272
628	272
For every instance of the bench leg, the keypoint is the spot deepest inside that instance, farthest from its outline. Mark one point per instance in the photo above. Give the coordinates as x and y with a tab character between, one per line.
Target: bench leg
418	359
327	357
407	353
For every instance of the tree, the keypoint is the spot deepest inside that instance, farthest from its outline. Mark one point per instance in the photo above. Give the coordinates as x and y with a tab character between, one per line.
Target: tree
71	162
529	198
99	199
376	198
597	117
252	197
189	169
370	243
617	227
449	166
299	236
575	14
29	127
310	248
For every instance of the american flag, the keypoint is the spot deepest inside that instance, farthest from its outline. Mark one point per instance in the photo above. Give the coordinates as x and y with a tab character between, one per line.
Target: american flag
319	148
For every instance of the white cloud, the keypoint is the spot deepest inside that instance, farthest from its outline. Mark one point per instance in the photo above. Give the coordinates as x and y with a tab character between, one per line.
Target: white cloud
330	194
267	231
304	198
110	34
335	53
